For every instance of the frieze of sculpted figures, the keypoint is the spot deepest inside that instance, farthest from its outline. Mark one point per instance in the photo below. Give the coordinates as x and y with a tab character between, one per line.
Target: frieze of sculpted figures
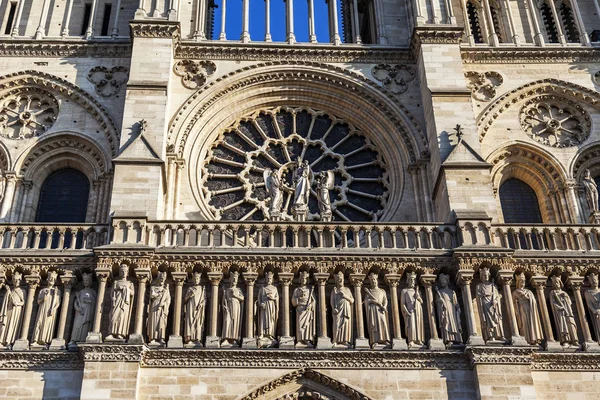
562	309
121	305
48	301
376	303
526	309
341	300
84	306
448	311
411	304
233	306
195	309
268	312
12	311
489	301
592	299
305	302
158	309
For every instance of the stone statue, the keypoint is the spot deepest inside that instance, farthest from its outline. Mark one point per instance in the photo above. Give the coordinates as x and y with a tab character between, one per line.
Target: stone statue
122	303
411	305
84	306
325	182
305	302
490	306
2	184
591	191
564	320
274	189
526	308
592	299
233	301
48	302
448	311
268	311
302	184
377	314
341	300
195	306
158	309
12	312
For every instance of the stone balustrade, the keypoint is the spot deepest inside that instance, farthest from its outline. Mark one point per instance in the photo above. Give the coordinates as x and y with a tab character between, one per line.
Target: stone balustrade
547	237
45	236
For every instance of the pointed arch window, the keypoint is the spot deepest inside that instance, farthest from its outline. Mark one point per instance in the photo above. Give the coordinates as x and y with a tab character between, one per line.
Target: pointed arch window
64	197
519	203
549	22
474	15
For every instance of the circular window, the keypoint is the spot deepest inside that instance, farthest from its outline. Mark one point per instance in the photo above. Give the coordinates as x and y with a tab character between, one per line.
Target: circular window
282	138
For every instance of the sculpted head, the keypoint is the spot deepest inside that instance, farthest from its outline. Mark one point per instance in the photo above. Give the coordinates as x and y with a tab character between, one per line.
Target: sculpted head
444	280
484	274
556	282
233	278
52	275
123	271
593	280
197	277
303	278
87	279
269	277
16	278
161	278
339	279
411	279
373	280
588	174
520	280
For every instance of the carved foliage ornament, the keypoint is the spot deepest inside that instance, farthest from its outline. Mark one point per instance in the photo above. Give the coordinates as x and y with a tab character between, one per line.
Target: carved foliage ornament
108	81
395	78
483	85
27	112
194	73
555	122
233	185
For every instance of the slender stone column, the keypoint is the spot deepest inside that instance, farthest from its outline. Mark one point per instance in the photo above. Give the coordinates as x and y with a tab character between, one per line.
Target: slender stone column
398	342
15	27
505	278
212	340
200	33
143	275
32	284
115	30
511	23
335	32
223	35
89	33
361	341
435	343
285	340
9	193
41	29
572	201
95	336
289	13
245	37
67	280
324	341
356	25
464	279
312	37
558	24
539	283
492	35
575	282
176	340
249	341
268	21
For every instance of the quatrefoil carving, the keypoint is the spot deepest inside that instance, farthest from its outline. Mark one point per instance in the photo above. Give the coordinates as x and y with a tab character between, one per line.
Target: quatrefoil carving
483	84
194	73
395	78
108	81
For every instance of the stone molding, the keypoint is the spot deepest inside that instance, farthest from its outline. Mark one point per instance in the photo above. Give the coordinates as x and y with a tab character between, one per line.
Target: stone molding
155	29
436	35
565	362
110	352
543	55
500	355
51	360
49	49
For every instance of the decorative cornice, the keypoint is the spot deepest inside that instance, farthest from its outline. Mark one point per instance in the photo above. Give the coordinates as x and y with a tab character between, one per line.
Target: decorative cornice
540	55
500	355
155	29
435	35
304	359
110	352
40	360
265	52
47	48
565	362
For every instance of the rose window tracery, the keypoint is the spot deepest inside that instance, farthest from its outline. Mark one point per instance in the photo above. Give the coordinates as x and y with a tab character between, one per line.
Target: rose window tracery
555	122
26	113
282	138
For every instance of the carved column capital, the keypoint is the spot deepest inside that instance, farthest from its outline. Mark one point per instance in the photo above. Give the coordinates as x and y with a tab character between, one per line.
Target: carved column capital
357	280
505	277
393	280
575	282
215	278
33	280
464	277
428	280
321	278
250	277
68	280
285	278
539	281
143	274
179	278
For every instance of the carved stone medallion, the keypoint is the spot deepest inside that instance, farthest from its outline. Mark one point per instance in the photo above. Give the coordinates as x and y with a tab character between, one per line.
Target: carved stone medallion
483	85
555	121
395	78
278	138
27	112
108	81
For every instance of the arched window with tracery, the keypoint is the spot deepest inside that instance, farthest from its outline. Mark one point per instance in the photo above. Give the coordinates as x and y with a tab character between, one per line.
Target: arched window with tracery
519	203
64	197
549	22
474	15
568	21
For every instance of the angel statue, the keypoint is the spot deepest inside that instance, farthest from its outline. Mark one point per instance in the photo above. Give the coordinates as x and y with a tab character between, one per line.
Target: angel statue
274	189
301	190
324	185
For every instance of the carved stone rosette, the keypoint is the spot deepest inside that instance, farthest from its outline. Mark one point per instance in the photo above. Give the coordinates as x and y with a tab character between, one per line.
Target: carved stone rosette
194	73
395	78
27	112
108	81
483	85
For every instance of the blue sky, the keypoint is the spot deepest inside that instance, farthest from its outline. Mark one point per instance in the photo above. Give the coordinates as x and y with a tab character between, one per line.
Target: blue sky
233	24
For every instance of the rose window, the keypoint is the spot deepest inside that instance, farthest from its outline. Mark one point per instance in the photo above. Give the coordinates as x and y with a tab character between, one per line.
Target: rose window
281	139
555	123
27	113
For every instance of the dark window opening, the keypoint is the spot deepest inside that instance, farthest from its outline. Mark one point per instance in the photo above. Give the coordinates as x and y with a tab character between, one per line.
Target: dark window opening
549	23
10	19
366	22
64	197
106	19
473	14
496	18
568	20
519	203
87	13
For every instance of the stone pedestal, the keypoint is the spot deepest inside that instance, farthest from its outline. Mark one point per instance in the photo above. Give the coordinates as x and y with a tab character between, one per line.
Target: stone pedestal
518	341
213	342
58	344
398	344
363	343
135	338
324	342
175	341
436	344
286	342
475	340
249	343
20	345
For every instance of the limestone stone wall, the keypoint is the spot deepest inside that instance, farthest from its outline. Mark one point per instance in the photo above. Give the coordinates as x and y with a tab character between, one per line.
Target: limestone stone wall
47	385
